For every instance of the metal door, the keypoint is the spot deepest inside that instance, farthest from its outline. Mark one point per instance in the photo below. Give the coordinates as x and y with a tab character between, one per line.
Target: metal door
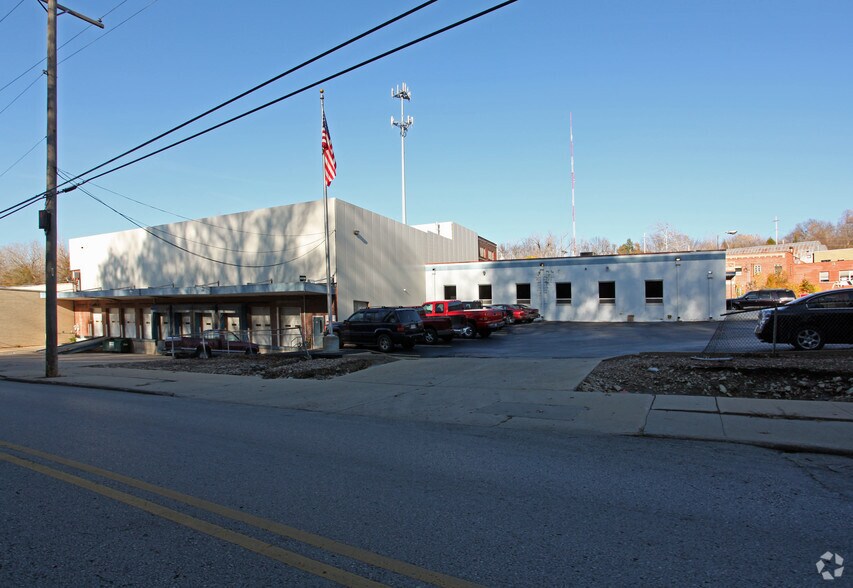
97	322
261	325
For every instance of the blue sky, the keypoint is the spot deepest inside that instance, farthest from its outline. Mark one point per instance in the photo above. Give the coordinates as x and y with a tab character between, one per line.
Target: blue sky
706	116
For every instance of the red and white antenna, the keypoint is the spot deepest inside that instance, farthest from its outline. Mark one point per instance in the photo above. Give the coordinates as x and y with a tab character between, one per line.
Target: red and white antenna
572	152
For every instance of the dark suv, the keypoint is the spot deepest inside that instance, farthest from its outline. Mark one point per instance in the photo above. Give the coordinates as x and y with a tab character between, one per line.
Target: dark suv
383	327
761	299
810	322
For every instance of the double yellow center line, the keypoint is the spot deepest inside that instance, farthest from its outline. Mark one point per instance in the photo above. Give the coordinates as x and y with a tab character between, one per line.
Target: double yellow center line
284	556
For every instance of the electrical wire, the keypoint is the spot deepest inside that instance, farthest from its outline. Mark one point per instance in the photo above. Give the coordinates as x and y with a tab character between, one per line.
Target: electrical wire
86	28
196	221
205	257
23	156
24	91
108	31
11	11
280	99
261	85
206	243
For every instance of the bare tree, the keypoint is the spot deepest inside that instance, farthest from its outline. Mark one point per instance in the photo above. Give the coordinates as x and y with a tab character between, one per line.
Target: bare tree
22	264
535	246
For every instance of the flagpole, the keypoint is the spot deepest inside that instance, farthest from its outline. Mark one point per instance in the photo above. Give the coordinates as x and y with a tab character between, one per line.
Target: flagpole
326	222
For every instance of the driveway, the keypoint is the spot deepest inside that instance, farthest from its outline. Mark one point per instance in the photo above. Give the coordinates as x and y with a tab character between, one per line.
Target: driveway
578	340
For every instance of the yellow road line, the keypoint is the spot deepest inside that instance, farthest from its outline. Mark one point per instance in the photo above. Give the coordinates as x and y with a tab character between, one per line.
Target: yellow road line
330	545
282	555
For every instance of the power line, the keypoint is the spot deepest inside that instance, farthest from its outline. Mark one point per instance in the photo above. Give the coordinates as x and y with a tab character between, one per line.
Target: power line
11	11
205	257
23	156
268	104
40	61
111	29
197	221
296	92
261	85
24	91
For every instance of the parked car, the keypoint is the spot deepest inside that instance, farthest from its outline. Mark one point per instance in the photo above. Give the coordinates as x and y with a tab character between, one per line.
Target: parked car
209	343
509	312
531	313
476	319
437	328
382	327
810	322
761	299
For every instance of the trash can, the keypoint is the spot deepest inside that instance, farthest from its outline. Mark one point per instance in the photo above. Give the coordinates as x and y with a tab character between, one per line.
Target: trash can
118	345
124	345
109	344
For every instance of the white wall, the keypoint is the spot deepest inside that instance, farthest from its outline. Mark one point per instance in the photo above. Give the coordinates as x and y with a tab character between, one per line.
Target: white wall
384	263
281	243
689	294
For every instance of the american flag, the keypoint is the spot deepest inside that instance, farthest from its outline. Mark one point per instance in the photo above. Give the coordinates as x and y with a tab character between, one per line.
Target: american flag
329	165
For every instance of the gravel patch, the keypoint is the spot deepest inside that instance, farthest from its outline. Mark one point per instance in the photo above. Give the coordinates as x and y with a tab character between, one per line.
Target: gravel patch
824	375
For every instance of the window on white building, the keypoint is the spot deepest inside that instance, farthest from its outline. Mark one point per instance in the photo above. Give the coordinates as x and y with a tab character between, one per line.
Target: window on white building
522	293
485	293
654	291
450	292
564	292
607	292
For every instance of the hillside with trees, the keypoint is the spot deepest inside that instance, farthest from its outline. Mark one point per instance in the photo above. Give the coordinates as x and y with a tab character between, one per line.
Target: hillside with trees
664	237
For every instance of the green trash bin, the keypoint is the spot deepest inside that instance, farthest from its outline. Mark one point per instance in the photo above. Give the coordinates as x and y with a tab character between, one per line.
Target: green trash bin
109	344
124	345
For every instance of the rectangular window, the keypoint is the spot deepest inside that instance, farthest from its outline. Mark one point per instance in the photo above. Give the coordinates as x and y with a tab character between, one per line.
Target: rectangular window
450	292
777	269
485	293
756	269
607	292
564	292
823	276
522	293
846	276
654	291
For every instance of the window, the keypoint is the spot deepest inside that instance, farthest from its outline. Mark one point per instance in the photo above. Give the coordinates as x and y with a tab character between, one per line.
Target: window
564	292
450	292
654	291
482	253
427	307
777	269
439	308
823	276
485	293
845	275
756	269
607	292
522	293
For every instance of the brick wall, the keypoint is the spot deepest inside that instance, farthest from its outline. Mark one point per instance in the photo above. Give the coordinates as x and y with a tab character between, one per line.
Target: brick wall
22	319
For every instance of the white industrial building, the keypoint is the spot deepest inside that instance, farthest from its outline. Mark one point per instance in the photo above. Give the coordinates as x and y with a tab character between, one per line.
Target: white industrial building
264	270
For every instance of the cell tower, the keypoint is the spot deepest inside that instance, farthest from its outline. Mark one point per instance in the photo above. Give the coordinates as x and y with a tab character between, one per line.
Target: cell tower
572	158
404	124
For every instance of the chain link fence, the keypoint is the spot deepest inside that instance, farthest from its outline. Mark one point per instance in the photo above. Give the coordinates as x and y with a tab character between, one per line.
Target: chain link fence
739	332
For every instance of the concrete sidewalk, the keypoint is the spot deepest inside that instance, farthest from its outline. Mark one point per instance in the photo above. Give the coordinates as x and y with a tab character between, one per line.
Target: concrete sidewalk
506	393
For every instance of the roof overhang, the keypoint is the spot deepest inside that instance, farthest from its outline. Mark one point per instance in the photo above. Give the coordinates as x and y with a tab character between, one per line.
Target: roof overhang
248	290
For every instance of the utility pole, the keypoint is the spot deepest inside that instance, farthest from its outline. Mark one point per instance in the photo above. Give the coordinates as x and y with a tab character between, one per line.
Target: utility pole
404	125
776	222
47	217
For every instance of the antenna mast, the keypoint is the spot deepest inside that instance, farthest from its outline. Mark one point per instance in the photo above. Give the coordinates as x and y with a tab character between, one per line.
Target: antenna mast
572	152
404	124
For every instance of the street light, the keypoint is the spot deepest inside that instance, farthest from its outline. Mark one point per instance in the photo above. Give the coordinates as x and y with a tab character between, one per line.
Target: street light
729	233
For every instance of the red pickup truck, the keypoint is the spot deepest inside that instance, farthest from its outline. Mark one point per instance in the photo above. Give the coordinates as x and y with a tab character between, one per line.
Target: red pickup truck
477	320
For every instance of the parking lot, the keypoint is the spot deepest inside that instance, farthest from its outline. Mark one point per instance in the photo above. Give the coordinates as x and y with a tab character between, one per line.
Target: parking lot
578	340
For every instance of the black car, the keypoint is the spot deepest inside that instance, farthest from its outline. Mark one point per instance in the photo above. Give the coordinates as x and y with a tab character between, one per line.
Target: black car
761	299
810	322
382	327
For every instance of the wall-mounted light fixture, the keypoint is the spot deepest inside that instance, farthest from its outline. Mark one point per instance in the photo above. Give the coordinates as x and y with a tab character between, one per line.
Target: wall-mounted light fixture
303	278
356	232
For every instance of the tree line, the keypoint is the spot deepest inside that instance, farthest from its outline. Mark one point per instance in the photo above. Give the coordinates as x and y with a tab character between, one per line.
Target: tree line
664	237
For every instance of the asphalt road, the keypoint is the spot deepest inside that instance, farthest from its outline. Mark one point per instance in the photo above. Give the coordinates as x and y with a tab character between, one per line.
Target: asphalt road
578	340
498	508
